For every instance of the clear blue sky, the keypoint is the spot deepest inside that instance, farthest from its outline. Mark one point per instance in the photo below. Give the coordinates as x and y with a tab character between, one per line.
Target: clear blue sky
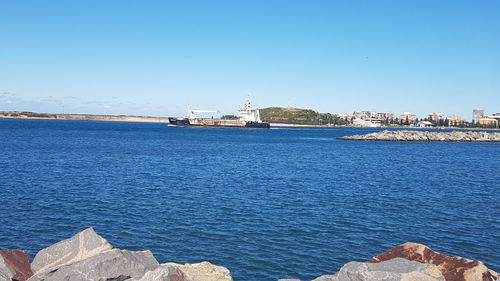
155	57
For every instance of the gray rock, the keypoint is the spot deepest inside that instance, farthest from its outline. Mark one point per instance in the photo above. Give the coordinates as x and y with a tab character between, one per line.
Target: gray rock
203	271
5	273
397	269
405	135
112	265
163	273
77	248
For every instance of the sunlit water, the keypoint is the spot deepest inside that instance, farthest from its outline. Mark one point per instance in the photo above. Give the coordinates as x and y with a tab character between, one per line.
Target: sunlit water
267	204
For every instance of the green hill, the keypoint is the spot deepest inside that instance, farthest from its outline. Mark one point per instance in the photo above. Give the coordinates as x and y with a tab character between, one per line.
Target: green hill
290	115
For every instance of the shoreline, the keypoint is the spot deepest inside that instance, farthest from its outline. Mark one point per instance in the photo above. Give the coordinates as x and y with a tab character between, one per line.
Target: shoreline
153	119
382	127
83	117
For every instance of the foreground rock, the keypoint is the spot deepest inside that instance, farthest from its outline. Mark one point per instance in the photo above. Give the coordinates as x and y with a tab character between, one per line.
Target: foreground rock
15	264
397	269
6	273
77	248
452	268
110	265
405	135
163	273
204	271
87	256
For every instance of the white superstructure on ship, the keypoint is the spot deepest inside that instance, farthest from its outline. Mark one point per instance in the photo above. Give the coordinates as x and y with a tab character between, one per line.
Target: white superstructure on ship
248	117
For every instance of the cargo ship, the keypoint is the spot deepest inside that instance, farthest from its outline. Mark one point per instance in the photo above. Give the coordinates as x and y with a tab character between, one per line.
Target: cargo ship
248	117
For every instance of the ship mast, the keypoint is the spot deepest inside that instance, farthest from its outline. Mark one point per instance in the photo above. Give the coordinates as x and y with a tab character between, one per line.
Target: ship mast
247	103
192	113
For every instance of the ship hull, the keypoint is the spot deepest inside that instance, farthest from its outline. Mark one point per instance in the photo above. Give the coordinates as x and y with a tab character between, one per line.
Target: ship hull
216	123
257	125
179	121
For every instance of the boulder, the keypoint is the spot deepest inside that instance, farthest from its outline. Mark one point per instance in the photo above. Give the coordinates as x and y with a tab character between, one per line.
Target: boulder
397	269
204	271
77	248
452	268
18	263
163	273
5	273
111	265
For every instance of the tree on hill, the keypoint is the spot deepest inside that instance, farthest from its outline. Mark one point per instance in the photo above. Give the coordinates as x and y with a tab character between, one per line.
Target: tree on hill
289	115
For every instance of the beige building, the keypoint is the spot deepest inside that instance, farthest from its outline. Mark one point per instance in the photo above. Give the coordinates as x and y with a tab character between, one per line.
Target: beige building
454	118
436	116
408	116
488	122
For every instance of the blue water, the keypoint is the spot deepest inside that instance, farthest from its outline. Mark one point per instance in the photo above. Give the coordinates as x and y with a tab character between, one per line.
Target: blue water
267	204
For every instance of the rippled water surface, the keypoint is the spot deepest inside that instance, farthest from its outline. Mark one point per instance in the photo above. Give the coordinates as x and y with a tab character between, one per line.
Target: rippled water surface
267	204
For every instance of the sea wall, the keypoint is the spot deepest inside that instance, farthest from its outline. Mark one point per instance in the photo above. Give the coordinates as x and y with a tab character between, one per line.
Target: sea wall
427	136
88	256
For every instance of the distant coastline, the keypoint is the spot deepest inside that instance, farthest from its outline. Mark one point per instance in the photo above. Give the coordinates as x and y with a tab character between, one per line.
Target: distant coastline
382	127
88	117
154	119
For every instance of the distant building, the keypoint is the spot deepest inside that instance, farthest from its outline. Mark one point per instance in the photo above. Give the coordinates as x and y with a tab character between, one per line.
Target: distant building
495	116
424	124
436	116
370	114
477	114
360	115
366	123
408	116
385	115
455	120
488	122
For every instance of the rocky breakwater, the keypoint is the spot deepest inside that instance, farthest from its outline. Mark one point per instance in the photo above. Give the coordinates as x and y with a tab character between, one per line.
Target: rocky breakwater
88	256
412	262
427	136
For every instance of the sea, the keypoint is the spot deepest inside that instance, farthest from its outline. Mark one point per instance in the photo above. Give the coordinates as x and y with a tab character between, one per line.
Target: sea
266	204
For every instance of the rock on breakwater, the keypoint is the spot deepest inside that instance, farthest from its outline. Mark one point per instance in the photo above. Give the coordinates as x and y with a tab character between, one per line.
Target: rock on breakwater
452	268
15	264
427	136
412	262
391	270
88	256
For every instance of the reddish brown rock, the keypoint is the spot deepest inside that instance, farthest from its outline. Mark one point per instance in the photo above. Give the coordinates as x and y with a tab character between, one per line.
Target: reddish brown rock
452	268
18	262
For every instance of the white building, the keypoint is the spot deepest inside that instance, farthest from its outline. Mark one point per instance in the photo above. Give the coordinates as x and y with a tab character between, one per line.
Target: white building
366	123
424	124
370	113
477	114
